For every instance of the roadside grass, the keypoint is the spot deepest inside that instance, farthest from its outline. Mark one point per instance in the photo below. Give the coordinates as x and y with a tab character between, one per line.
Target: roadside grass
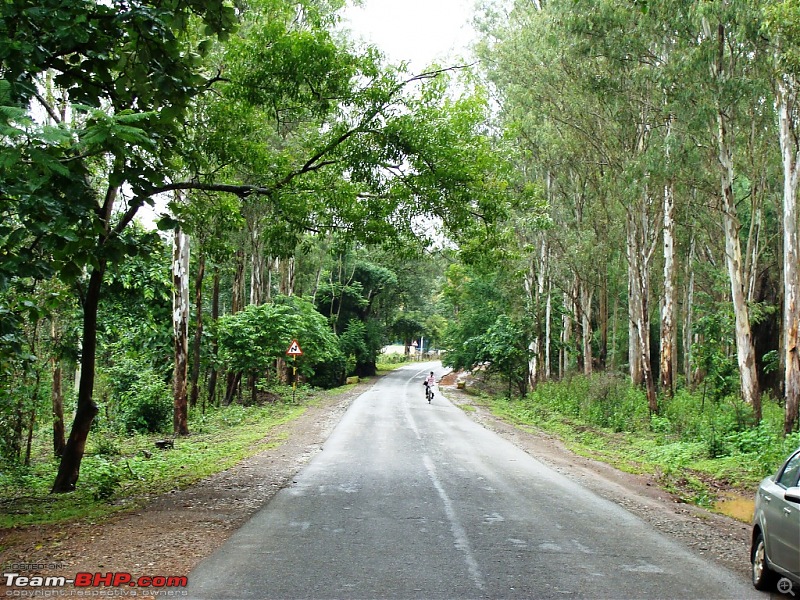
698	450
386	367
121	471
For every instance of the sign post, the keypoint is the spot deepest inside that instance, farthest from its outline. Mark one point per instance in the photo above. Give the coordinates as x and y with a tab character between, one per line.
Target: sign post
294	351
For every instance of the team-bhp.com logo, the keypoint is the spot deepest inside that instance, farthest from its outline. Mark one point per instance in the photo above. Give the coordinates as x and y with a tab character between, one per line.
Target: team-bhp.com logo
95	580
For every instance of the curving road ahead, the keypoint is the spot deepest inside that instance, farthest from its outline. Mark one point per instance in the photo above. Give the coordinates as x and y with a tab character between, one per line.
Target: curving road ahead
415	500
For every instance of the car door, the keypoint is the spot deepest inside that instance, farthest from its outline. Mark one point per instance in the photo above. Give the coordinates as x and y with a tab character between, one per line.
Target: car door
783	519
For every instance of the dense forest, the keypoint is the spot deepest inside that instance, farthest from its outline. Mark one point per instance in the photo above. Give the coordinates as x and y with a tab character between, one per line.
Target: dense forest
186	187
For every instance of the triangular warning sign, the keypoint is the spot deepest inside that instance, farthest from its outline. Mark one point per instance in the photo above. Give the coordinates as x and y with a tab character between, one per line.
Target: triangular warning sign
294	349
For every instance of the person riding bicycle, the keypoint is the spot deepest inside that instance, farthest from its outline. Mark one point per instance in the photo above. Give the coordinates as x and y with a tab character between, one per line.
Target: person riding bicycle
430	380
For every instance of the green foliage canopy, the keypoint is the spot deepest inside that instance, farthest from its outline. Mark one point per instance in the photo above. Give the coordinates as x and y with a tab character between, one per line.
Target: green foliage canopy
253	339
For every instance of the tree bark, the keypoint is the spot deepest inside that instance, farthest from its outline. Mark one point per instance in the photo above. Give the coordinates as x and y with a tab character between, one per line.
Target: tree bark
198	331
86	410
722	71
688	315
212	379
790	150
237	302
533	346
180	325
287	267
667	341
59	440
31	427
547	330
566	333
639	257
602	323
577	319
586	327
257	268
745	350
634	305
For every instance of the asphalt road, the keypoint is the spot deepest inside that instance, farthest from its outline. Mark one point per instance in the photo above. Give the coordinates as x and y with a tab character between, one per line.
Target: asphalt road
415	500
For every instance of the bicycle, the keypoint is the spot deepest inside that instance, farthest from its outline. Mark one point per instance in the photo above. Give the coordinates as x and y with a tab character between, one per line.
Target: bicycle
429	393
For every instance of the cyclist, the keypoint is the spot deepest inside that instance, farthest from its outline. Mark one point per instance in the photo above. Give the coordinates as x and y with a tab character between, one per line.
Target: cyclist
430	380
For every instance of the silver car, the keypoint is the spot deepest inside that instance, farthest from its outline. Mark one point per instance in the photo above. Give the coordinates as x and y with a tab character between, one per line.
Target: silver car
775	549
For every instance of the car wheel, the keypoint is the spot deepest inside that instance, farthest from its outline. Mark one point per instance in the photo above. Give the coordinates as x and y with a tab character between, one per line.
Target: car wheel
763	577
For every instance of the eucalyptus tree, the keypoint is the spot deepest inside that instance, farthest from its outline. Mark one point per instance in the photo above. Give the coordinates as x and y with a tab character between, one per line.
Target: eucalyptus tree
663	98
552	161
594	97
782	24
727	48
210	220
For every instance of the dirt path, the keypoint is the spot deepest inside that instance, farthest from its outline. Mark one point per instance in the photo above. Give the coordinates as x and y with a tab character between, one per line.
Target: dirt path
173	533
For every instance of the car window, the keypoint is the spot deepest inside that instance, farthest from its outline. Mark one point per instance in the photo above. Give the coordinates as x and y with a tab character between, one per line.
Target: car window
788	476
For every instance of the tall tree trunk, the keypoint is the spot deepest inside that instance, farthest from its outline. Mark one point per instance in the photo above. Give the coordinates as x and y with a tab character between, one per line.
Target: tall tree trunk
57	395
577	316
602	324
212	379
790	149
237	301
198	331
667	341
257	268
634	305
237	304
534	289
586	327
745	350
234	379
722	71
316	284
287	266
614	322
32	419
688	315
639	257
180	326
271	263
566	333
548	312
86	409
753	243
533	346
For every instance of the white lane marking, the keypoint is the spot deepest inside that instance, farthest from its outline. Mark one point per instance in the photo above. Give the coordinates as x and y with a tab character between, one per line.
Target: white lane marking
460	536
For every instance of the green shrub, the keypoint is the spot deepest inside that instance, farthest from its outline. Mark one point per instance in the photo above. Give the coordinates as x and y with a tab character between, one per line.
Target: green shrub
330	373
754	440
104	477
105	444
393	359
659	424
604	399
147	406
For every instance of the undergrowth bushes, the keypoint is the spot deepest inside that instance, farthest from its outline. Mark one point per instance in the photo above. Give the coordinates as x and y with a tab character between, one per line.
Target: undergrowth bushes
692	429
120	468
